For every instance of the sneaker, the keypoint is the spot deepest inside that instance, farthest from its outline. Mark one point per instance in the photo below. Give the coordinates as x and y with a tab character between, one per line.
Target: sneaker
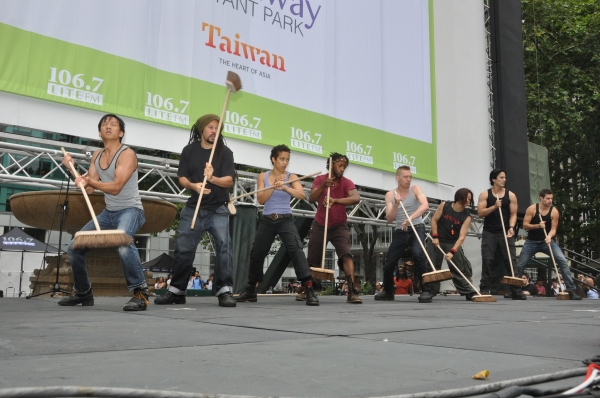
226	300
311	297
383	296
86	299
518	295
425	297
170	298
572	295
248	294
139	301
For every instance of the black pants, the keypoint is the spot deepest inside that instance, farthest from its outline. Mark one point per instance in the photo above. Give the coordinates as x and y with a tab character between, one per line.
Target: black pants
400	241
490	243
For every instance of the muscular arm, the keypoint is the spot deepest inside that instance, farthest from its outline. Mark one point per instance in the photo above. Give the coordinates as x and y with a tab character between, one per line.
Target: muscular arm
315	193
423	204
436	216
482	209
295	189
555	215
514	207
391	209
528	222
126	165
464	230
192	186
352	199
265	195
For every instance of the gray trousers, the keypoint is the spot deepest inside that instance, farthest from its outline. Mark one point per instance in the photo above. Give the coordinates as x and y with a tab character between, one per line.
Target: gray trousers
461	261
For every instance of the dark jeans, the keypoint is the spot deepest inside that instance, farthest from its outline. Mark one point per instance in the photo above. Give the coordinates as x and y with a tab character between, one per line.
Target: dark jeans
531	247
265	235
461	262
216	223
490	242
400	241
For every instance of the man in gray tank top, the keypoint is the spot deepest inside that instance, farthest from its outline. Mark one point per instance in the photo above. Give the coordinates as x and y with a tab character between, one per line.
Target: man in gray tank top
416	204
113	170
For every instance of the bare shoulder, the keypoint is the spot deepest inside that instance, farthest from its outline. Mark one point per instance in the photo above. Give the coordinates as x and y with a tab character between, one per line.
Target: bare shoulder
483	195
512	196
389	195
555	212
417	190
293	176
530	209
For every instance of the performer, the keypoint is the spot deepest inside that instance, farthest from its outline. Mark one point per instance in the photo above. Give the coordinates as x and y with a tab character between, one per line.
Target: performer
492	237
213	216
449	227
343	193
538	242
113	170
415	203
277	220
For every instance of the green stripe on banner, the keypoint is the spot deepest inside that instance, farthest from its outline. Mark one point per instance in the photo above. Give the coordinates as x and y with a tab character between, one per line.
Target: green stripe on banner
54	70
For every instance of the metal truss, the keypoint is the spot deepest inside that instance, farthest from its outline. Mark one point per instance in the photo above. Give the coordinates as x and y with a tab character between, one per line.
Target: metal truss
159	177
488	67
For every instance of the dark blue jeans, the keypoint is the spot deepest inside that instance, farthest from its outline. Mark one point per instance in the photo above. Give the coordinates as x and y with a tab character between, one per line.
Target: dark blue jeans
216	223
531	247
265	235
400	241
129	220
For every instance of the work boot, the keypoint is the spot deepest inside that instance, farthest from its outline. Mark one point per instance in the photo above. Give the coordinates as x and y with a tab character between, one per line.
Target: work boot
248	294
170	298
139	301
469	296
508	295
86	299
485	291
425	297
383	296
311	297
301	293
226	300
353	294
517	294
572	295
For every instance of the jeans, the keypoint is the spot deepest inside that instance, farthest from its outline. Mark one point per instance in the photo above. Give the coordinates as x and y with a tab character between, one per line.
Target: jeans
400	240
531	247
216	223
129	220
265	235
490	242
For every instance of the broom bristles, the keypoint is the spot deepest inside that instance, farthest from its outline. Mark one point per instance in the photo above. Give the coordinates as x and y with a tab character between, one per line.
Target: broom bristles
563	296
233	82
513	281
483	298
437	276
101	239
322	274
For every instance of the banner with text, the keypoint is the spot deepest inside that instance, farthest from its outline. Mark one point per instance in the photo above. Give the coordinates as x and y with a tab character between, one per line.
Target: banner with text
348	76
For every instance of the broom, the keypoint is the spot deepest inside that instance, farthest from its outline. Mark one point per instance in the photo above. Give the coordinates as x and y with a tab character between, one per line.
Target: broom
562	295
480	298
509	280
322	273
97	239
234	84
428	277
232	209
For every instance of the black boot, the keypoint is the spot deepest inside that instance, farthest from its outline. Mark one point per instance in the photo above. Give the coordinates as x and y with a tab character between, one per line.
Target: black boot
425	297
573	295
248	294
86	299
517	294
139	301
311	297
384	296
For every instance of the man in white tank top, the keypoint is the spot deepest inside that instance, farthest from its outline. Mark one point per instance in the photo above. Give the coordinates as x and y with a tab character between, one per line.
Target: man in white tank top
416	204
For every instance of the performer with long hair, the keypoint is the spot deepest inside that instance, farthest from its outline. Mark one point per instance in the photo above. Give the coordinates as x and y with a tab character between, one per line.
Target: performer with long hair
277	220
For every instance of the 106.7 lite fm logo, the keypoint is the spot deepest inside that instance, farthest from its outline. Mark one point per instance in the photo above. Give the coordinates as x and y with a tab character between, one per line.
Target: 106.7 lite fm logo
75	86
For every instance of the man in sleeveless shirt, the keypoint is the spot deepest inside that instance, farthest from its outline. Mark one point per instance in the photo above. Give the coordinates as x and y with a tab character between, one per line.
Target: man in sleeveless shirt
113	170
538	242
415	203
343	193
492	238
213	216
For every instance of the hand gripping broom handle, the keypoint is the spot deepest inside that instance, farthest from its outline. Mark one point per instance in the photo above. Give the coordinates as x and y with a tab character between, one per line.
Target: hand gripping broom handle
326	218
459	271
506	240
271	187
417	235
212	153
85	195
553	260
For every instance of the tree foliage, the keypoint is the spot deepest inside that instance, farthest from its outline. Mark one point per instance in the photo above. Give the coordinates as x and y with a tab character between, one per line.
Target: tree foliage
561	41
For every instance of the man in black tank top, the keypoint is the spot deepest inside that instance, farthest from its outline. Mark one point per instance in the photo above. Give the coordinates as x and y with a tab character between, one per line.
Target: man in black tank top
538	242
489	205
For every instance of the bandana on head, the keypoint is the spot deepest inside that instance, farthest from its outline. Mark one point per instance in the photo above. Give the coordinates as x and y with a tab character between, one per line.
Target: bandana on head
203	121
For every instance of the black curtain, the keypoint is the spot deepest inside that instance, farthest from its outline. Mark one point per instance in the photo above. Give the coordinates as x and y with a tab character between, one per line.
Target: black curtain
242	228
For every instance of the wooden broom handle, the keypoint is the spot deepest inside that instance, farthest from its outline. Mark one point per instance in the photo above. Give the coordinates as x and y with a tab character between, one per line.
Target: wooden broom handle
506	239
459	271
271	187
212	153
85	195
552	255
417	235
326	218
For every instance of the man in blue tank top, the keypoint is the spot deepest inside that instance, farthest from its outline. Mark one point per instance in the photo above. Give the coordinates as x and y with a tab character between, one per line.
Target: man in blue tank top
415	203
537	241
489	205
113	170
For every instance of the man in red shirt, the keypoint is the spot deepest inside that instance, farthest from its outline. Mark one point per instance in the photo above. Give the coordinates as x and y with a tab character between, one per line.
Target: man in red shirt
343	193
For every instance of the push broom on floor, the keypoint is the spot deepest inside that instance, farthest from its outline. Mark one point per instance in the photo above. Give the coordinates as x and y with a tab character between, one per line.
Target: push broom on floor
322	273
234	84
99	238
479	298
509	280
562	295
435	275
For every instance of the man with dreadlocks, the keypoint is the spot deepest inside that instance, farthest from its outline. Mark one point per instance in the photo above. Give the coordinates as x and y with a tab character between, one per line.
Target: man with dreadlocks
343	193
213	216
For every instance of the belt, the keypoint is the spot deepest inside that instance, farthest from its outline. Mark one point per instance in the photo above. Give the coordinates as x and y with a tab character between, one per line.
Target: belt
276	216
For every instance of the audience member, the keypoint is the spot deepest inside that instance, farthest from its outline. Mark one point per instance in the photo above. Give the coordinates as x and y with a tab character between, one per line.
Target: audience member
540	287
169	280
377	287
529	289
209	282
195	281
161	283
404	285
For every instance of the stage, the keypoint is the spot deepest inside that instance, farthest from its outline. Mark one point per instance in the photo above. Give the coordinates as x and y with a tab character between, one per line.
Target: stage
281	347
